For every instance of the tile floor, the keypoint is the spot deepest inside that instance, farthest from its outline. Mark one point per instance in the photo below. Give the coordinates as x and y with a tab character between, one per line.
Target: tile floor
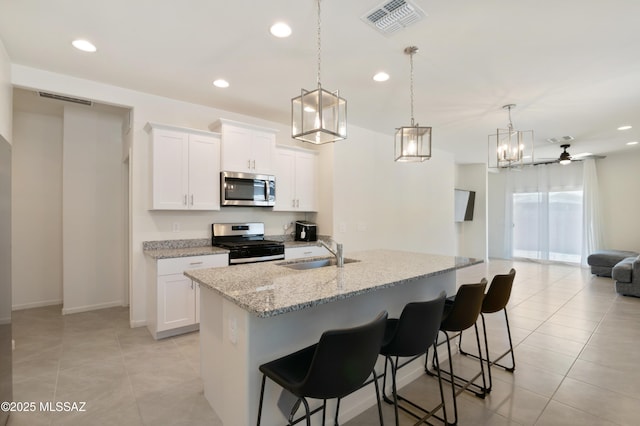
577	349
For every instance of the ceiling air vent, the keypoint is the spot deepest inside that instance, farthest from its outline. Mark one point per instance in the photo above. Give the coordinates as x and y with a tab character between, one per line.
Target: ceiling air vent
563	139
393	15
65	98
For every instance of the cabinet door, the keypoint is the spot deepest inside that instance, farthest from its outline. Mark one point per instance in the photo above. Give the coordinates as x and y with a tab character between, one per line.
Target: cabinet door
236	149
285	180
263	147
302	252
170	170
204	173
176	302
306	182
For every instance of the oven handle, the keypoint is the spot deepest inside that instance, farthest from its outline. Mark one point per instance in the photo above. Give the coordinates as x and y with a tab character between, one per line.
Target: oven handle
256	259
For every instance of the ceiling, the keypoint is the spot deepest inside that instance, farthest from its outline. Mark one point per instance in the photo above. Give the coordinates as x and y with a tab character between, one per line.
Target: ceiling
571	66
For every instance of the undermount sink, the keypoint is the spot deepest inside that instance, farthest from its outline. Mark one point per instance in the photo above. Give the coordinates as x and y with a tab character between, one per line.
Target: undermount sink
313	264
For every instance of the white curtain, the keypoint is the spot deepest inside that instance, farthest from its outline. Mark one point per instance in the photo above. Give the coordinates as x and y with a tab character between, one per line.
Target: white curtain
591	219
533	185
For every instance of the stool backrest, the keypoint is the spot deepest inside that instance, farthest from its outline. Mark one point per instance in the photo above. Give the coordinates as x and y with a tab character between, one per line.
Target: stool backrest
466	307
344	359
417	328
499	292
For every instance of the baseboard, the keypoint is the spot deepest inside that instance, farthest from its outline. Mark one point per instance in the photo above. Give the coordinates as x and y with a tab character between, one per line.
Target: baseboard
137	323
36	304
67	311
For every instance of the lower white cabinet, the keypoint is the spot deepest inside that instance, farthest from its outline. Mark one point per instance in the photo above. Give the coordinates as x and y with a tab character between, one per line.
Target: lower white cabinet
173	299
305	251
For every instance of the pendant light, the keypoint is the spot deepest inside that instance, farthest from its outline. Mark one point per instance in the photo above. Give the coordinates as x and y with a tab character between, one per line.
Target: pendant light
512	147
412	143
318	116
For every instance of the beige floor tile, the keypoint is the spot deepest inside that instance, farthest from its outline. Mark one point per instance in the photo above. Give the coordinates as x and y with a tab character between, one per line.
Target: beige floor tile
557	414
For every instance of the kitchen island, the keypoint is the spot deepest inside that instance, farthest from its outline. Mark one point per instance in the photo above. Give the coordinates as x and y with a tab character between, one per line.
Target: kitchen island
254	313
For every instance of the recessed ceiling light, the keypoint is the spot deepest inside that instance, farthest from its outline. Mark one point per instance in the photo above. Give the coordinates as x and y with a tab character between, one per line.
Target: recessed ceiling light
381	76
221	83
280	30
624	127
84	45
632	143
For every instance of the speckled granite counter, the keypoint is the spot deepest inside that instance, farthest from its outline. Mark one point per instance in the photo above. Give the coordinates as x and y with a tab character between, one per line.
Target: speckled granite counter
255	313
168	249
270	288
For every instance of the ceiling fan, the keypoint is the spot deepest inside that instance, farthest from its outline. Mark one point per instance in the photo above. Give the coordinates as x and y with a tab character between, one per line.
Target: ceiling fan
566	158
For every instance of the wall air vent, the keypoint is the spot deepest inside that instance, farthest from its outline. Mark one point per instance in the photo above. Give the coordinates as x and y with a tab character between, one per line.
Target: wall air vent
65	98
392	16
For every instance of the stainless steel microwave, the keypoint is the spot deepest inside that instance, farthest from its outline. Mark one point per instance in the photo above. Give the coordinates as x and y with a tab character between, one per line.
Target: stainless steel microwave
247	189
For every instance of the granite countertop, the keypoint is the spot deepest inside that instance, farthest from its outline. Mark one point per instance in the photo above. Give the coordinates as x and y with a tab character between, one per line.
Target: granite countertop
168	249
268	289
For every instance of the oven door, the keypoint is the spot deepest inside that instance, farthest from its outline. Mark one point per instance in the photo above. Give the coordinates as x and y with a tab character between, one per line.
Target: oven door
247	189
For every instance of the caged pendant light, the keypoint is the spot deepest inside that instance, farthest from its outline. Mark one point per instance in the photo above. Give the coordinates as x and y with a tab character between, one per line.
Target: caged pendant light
318	116
512	147
412	143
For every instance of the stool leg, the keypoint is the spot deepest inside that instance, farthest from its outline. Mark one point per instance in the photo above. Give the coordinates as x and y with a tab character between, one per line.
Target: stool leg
375	381
307	411
453	387
384	382
484	382
394	387
264	378
335	421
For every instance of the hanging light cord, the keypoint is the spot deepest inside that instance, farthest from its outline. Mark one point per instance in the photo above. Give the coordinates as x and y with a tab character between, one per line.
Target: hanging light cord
412	51
319	44
510	122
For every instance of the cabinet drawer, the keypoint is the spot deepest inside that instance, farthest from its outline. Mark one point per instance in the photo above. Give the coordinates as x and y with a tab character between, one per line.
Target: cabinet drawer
178	265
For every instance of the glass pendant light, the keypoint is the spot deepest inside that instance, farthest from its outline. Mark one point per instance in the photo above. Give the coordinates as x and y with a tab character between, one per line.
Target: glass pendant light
318	116
511	146
412	143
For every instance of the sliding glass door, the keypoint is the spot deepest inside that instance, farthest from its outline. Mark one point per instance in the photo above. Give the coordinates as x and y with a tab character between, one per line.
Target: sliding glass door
548	225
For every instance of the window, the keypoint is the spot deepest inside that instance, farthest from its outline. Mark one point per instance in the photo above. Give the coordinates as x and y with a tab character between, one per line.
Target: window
548	225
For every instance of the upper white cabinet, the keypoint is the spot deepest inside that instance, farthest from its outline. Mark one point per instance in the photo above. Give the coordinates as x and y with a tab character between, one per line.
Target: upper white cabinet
186	168
245	147
296	180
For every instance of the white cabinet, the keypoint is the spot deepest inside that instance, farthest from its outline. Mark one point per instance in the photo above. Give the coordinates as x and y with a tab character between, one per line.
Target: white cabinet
246	148
173	299
296	180
186	168
305	251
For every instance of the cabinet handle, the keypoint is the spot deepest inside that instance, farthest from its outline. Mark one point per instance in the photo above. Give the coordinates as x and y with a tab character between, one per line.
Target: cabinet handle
249	164
191	199
196	263
298	203
293	202
185	199
254	164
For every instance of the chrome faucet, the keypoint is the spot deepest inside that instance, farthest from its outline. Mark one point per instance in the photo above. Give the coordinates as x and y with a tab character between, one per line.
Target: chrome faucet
338	253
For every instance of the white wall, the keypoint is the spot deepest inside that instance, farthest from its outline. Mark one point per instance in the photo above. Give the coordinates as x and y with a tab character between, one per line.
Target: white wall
472	235
6	93
619	179
37	210
93	217
379	203
496	190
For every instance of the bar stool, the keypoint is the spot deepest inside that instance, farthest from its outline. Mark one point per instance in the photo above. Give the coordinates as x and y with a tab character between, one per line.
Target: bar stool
460	314
333	368
411	336
496	300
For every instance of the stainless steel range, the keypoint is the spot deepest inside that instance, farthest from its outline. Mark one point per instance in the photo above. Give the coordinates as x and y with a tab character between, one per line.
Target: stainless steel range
245	242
